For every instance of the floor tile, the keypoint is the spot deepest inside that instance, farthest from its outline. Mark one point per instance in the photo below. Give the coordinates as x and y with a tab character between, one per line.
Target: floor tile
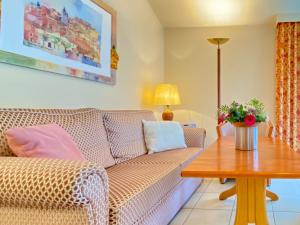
285	186
208	217
204	185
270	218
193	200
287	218
181	217
211	201
216	187
287	203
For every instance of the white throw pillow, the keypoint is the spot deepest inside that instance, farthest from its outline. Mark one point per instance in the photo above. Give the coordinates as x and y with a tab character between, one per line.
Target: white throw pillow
161	136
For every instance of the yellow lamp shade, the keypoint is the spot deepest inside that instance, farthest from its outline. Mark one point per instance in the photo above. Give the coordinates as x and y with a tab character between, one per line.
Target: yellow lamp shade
166	94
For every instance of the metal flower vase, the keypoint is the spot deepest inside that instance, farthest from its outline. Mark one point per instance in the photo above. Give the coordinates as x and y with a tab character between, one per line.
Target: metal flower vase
246	137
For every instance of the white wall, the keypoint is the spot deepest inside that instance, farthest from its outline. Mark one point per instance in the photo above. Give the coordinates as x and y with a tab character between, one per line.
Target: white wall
288	17
141	50
248	64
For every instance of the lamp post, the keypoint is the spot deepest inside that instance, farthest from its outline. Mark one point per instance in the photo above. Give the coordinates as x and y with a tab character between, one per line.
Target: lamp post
218	42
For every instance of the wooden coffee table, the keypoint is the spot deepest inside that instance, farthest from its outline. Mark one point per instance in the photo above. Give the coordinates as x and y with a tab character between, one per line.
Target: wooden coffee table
273	159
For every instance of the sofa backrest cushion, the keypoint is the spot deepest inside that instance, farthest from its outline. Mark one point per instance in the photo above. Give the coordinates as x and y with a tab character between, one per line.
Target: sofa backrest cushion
84	125
125	133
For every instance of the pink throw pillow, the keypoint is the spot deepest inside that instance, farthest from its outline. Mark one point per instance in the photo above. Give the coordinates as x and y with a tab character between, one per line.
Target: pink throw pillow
44	141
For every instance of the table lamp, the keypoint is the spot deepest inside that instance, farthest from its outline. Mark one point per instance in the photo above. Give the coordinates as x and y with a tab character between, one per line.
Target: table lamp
167	95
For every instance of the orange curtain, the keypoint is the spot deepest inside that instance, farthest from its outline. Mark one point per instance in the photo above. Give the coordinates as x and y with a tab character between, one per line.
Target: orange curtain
288	83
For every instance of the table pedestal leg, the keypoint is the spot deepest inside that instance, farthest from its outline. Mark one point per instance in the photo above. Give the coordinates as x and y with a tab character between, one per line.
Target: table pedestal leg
232	191
228	193
272	195
251	201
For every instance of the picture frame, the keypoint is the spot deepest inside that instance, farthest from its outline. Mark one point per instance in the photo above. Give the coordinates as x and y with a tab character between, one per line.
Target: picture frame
75	38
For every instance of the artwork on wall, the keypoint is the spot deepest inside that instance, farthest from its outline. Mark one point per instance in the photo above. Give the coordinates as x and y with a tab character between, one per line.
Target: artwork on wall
71	37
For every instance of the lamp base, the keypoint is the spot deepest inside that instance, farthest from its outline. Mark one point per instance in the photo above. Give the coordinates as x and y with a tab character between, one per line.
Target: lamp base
168	115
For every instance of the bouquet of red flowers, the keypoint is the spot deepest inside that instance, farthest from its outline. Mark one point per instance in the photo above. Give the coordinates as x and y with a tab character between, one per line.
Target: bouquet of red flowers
249	113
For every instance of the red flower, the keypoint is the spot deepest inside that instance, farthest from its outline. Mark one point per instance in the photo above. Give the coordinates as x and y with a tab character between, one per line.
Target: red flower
221	118
250	120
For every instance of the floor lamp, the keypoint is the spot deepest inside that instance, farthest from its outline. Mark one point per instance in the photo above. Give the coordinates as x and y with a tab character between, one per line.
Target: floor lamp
218	42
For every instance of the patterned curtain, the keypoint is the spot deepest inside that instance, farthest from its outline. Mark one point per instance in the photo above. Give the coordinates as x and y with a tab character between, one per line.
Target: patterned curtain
288	83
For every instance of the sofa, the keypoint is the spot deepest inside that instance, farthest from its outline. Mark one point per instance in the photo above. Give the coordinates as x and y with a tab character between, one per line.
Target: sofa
119	183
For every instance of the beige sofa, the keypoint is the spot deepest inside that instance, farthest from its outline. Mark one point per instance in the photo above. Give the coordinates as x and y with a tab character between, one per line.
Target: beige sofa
119	184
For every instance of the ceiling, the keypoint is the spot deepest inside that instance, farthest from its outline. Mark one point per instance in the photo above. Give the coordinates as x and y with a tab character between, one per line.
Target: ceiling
198	13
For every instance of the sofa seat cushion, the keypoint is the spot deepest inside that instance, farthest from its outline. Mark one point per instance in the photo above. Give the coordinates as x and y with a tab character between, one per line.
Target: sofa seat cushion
84	125
178	156
136	190
125	133
137	186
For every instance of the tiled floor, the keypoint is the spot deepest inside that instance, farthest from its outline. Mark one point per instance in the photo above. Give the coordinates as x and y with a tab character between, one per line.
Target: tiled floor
204	207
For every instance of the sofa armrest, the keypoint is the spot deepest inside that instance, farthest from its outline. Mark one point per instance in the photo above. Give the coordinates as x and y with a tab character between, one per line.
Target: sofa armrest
194	137
47	184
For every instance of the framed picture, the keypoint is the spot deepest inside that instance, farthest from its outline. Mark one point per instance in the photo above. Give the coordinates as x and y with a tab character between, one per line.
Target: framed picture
70	37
